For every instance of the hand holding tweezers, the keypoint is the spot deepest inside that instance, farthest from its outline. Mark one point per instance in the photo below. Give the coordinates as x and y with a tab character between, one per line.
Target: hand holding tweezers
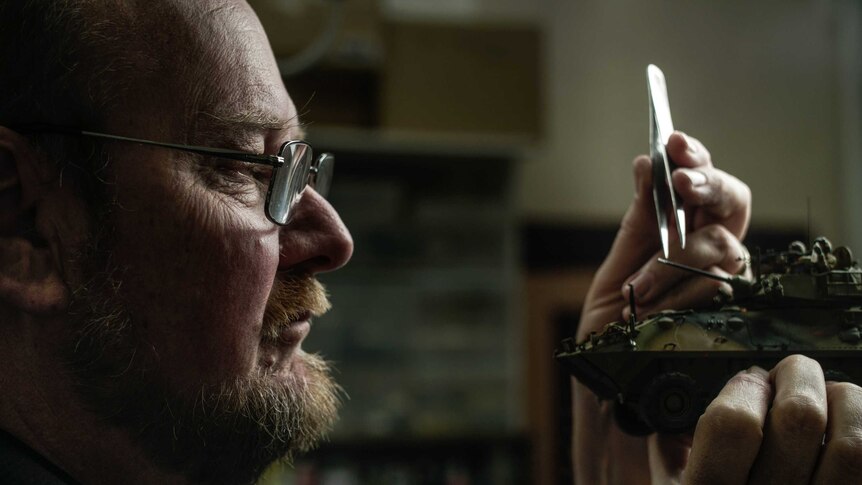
660	128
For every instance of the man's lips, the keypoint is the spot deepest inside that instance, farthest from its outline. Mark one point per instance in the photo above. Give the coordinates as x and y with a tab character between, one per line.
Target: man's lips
282	340
295	331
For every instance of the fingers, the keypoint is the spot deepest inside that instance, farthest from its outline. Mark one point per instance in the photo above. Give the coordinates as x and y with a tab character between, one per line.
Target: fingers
714	196
694	292
795	424
686	151
637	238
639	225
707	247
729	434
710	195
722	197
785	444
841	459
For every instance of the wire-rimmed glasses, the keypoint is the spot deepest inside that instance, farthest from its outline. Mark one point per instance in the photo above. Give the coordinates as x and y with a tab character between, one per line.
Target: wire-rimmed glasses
293	168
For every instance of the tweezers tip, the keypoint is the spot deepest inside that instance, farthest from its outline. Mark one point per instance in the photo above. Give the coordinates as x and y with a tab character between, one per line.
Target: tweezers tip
665	245
680	225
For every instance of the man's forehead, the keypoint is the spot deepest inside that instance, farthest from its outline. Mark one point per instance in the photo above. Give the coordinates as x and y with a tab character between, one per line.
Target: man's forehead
250	121
234	84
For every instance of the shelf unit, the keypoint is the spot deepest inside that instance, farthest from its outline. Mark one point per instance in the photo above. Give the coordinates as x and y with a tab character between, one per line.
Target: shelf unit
425	330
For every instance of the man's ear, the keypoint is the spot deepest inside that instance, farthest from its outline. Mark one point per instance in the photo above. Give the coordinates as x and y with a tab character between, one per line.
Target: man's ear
31	278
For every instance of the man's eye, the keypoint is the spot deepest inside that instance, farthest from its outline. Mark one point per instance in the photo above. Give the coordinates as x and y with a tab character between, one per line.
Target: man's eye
260	172
241	172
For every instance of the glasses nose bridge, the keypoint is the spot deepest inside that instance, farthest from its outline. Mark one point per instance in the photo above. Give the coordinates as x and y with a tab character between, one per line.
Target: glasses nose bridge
320	174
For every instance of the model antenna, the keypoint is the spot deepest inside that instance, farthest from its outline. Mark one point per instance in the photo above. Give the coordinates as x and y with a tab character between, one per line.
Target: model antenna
633	319
808	221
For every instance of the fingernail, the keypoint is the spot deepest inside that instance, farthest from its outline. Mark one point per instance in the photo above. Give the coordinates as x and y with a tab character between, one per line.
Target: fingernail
695	177
690	145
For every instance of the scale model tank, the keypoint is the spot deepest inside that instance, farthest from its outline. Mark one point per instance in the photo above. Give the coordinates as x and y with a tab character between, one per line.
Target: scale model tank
663	371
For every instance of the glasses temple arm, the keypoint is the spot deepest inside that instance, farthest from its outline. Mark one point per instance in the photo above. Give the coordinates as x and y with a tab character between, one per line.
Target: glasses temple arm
273	160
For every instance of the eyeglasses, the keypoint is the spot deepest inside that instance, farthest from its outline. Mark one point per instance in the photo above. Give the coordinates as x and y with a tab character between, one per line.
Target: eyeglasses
286	184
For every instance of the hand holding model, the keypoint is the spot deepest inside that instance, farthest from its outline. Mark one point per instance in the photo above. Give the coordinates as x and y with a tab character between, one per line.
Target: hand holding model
763	426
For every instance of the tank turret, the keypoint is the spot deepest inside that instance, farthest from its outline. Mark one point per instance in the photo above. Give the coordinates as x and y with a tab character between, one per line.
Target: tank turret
662	371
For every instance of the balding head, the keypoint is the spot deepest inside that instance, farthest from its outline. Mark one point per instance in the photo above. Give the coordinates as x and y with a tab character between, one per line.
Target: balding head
77	62
62	60
171	331
162	69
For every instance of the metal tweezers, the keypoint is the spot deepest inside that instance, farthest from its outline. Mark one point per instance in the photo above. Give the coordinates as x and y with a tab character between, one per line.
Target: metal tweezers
660	129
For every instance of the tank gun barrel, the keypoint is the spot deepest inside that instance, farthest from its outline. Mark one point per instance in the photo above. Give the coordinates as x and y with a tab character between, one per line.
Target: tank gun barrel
696	271
740	285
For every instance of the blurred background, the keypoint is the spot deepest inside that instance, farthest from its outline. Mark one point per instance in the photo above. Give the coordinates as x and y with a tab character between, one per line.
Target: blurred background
484	155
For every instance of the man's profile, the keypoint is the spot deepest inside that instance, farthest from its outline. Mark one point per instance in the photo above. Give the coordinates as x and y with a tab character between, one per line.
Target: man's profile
153	312
154	294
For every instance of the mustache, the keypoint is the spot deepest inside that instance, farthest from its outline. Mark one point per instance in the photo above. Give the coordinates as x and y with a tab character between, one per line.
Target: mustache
293	298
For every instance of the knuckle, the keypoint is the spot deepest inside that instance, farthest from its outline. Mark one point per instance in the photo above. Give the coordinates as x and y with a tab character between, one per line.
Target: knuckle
799	415
844	392
731	425
795	363
751	381
719	237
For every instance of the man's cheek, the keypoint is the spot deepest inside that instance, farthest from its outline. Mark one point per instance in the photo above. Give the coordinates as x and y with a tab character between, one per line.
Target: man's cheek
239	281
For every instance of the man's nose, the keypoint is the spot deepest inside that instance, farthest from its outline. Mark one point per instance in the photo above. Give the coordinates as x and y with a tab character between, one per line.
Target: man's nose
315	240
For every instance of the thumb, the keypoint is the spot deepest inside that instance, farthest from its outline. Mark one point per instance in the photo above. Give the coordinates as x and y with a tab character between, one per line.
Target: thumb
668	455
637	239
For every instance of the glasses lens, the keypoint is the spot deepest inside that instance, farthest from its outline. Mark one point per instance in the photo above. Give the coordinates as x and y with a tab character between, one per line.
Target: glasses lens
288	181
323	169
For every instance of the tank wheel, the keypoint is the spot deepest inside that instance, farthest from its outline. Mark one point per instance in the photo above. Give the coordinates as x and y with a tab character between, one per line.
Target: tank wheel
671	404
629	421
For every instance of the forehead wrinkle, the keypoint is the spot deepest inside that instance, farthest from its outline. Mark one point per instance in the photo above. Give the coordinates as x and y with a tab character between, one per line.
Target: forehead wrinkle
232	93
250	121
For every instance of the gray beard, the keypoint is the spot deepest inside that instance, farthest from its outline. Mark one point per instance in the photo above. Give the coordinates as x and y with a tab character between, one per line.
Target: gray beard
219	433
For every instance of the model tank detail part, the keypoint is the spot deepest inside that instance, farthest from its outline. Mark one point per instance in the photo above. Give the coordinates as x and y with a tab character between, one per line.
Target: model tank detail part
662	371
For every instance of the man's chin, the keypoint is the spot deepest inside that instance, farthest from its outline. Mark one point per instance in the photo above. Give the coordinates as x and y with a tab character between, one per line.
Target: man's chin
230	431
290	369
224	431
258	420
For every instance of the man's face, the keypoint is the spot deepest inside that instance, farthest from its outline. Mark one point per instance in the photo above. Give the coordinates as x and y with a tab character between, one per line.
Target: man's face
192	295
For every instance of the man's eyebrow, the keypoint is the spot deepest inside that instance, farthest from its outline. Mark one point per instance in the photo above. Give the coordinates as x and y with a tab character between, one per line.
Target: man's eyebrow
253	121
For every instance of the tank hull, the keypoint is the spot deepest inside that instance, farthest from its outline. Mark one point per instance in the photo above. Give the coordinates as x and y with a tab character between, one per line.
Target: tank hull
665	371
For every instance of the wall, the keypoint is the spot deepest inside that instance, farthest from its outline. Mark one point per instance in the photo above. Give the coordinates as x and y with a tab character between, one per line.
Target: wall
771	87
755	81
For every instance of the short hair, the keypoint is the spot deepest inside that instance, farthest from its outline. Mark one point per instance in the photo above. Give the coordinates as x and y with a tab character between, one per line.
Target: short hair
61	60
77	62
72	63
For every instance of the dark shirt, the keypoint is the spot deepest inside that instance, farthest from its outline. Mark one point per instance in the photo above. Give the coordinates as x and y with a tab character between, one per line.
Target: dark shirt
19	464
